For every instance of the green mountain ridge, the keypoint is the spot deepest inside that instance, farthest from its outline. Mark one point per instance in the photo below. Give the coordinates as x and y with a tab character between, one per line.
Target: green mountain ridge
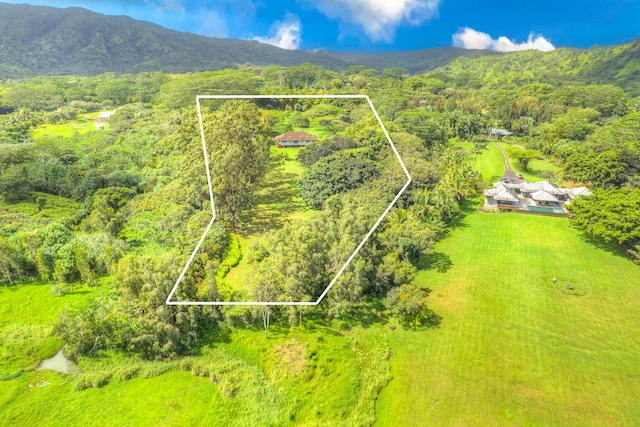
619	65
42	40
46	41
415	61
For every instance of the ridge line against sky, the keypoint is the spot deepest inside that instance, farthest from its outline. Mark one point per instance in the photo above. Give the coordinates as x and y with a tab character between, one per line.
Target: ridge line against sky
384	25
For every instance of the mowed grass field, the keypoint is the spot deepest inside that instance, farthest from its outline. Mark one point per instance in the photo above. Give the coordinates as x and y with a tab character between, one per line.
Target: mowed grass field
489	162
513	348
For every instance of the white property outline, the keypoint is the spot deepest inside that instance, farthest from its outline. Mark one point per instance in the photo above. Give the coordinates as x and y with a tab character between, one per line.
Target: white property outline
213	210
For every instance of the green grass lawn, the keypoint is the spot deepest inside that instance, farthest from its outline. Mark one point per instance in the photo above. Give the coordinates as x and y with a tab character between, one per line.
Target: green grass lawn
283	123
489	162
56	207
27	315
172	399
82	124
313	377
512	349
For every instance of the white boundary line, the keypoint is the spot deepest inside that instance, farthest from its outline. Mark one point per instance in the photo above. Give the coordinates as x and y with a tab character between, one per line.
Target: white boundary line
213	210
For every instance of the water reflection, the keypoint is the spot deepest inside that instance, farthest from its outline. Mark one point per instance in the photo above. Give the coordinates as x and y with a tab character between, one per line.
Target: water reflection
59	363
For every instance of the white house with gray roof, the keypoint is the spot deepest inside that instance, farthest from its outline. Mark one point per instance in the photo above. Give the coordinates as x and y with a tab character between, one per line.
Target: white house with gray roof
541	196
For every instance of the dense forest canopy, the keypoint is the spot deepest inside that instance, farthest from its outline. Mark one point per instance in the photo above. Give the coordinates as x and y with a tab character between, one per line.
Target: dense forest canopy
122	203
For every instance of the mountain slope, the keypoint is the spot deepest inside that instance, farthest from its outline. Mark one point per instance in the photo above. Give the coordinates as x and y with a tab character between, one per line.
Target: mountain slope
40	40
619	65
415	61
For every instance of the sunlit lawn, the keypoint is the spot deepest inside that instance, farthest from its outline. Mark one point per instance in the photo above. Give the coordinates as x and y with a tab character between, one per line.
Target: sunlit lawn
488	162
82	124
513	347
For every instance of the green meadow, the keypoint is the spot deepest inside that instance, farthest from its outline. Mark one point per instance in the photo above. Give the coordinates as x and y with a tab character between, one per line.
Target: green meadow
311	376
488	162
81	125
515	348
534	168
27	315
55	207
315	114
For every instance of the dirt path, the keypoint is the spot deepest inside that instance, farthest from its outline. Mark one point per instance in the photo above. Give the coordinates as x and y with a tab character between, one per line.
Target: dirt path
508	172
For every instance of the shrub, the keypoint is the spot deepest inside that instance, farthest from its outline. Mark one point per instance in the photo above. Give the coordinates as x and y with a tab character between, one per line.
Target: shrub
300	121
231	258
338	173
59	289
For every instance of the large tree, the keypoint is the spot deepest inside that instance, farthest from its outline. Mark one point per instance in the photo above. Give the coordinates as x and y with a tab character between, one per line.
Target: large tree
9	260
237	137
408	303
523	157
613	215
342	171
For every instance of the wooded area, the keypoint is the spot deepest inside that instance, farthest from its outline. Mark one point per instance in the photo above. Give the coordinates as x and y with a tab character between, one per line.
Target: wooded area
118	209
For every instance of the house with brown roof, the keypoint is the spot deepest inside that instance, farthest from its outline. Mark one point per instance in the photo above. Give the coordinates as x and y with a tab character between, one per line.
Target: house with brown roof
295	139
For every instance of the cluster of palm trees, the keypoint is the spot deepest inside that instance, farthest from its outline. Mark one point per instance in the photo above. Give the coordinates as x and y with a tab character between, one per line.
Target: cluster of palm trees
458	182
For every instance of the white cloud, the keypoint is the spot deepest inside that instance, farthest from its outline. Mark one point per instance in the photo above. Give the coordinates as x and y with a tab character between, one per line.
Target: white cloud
167	5
213	25
286	34
468	38
379	19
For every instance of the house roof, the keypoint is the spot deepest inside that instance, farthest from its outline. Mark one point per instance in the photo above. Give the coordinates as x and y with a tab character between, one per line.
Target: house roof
296	136
501	132
105	114
543	196
542	185
501	192
579	191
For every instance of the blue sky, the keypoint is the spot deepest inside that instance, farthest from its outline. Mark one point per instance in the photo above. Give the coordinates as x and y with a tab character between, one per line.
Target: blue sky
385	25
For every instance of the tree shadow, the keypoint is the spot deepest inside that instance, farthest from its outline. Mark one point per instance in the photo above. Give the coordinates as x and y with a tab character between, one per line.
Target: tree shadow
433	321
369	311
218	334
600	243
438	261
77	292
275	203
460	220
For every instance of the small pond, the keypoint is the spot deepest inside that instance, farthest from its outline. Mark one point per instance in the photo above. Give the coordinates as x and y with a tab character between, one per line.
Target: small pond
59	363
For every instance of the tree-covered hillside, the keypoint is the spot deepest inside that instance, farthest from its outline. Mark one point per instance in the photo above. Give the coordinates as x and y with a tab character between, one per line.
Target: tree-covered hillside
619	65
99	213
39	40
